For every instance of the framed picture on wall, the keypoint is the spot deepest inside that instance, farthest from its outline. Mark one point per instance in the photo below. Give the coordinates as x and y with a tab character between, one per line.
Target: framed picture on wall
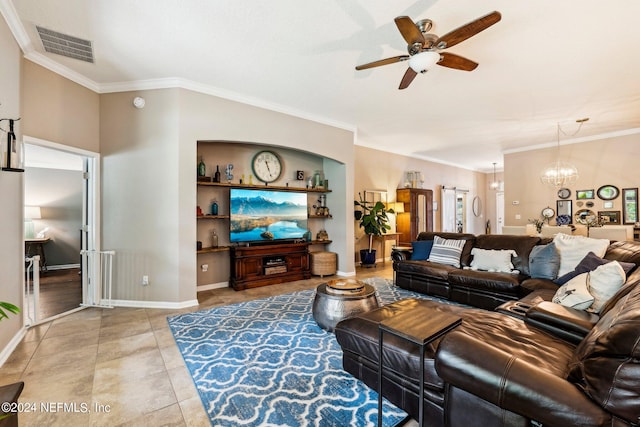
630	205
609	217
584	194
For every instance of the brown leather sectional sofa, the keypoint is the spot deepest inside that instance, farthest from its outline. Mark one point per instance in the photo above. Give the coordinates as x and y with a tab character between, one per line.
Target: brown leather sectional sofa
543	364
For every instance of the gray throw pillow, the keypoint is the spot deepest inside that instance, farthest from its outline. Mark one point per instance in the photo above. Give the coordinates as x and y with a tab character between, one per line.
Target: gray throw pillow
544	262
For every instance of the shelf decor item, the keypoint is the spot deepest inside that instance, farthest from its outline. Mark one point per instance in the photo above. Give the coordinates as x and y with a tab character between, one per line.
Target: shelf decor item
202	168
11	155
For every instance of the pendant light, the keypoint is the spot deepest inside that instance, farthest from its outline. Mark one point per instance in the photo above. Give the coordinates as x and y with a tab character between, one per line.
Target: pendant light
495	184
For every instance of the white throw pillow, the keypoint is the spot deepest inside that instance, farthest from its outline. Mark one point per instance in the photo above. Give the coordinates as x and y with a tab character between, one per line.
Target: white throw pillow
492	260
573	249
575	293
605	281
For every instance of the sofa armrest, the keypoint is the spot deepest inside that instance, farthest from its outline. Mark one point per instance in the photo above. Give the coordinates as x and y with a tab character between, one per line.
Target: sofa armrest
401	254
513	384
564	322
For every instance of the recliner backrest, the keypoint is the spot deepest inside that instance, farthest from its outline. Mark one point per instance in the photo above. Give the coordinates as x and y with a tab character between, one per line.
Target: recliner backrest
606	364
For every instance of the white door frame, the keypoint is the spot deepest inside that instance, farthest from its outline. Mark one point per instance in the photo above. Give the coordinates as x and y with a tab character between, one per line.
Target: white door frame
90	207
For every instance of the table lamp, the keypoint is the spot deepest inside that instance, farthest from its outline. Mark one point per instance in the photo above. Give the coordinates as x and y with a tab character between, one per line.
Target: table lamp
30	213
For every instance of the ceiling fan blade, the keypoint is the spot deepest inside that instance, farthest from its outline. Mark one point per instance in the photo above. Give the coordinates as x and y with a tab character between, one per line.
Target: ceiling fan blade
452	60
408	77
383	62
468	30
410	32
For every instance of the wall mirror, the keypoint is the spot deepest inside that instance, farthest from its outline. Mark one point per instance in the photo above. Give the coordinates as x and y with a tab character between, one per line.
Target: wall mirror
476	206
630	205
585	216
564	207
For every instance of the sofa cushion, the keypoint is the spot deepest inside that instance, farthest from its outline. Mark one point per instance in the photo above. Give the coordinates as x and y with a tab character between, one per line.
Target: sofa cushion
573	248
544	262
421	250
606	364
426	268
604	282
470	239
492	260
589	263
487	281
521	244
446	251
575	293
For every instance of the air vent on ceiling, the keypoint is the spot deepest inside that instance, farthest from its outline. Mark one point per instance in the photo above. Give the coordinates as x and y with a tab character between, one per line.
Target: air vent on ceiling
65	45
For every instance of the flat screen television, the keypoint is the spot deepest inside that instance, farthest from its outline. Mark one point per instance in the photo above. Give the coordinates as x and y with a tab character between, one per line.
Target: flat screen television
266	215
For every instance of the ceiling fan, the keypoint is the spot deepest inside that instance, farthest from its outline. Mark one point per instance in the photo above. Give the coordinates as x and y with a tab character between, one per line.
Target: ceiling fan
425	48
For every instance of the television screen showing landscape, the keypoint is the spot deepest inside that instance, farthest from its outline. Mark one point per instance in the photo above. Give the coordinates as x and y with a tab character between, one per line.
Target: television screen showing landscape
263	215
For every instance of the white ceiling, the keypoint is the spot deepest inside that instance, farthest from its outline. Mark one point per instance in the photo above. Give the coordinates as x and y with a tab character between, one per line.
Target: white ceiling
547	61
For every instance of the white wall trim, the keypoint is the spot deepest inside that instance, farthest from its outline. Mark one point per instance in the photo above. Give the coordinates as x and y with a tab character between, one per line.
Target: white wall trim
154	304
220	285
12	345
62	266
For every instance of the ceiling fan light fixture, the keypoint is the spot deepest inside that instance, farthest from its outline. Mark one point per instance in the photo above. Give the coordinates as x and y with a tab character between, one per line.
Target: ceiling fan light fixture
423	61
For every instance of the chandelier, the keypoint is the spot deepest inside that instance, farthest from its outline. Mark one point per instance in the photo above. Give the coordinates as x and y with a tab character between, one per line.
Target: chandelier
560	173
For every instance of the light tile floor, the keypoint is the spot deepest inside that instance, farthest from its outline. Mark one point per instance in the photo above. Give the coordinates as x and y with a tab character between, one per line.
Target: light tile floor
121	366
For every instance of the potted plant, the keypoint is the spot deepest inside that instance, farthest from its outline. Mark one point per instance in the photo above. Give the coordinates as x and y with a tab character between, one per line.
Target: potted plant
9	307
374	221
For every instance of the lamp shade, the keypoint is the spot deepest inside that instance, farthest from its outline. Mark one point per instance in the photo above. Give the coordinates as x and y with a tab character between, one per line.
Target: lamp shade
32	212
423	61
398	207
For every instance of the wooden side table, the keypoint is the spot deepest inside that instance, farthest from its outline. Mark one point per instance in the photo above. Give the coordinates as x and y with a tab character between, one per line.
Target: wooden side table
36	247
420	325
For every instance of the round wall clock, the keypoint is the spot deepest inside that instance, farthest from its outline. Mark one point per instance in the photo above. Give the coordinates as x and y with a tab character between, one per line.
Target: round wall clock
266	166
564	193
608	192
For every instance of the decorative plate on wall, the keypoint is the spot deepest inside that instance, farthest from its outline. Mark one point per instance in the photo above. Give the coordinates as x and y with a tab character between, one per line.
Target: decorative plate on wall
608	192
564	193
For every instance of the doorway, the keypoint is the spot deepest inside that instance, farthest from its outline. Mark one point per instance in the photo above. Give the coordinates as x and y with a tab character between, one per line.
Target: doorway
61	187
499	211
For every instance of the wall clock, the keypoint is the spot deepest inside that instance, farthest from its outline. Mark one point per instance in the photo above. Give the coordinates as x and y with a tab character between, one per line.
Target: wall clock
266	166
564	193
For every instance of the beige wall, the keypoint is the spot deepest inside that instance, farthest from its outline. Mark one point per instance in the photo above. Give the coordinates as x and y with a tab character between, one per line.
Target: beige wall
380	170
56	109
611	161
11	214
149	180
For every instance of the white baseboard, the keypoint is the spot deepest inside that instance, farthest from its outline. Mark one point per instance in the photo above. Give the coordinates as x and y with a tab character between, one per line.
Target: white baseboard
154	304
11	345
62	266
210	286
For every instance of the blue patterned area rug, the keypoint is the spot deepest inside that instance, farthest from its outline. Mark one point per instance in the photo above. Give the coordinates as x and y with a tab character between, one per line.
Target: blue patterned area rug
267	363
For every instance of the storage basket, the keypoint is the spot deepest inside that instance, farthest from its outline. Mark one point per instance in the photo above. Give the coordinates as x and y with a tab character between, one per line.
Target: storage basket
323	263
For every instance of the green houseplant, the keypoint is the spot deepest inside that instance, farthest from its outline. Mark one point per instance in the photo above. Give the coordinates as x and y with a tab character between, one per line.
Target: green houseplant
375	222
8	307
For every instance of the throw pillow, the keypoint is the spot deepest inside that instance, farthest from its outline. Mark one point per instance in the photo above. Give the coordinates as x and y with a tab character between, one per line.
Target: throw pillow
589	263
575	293
573	248
421	250
605	281
446	251
492	260
544	262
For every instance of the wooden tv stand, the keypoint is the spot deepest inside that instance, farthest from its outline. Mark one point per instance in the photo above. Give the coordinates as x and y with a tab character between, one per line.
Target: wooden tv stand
262	265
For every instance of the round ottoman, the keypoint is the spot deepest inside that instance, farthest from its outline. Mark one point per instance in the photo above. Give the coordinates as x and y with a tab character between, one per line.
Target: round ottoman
342	298
323	263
